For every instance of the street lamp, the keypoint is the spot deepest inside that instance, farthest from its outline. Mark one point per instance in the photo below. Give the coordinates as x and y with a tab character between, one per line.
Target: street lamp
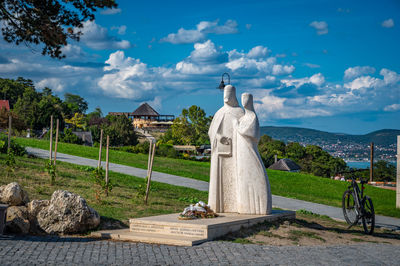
222	84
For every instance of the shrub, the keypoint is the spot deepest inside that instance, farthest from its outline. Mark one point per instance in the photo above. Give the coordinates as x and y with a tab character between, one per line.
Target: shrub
16	149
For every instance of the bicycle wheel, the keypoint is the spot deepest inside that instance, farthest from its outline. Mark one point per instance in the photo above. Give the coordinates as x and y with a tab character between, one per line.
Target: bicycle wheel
349	207
368	218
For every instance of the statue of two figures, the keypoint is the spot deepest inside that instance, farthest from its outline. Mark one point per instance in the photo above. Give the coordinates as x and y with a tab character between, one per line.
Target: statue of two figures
238	180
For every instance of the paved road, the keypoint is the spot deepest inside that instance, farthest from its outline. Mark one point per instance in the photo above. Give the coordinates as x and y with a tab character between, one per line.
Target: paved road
277	201
84	251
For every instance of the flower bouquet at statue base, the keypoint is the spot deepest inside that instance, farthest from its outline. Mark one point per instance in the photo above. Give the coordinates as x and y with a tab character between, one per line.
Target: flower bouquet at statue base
197	211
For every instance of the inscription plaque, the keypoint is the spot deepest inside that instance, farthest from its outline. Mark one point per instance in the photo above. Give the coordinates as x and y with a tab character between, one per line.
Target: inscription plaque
167	230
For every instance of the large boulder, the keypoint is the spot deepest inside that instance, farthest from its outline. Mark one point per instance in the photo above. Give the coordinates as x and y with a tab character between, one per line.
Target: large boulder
33	208
13	195
17	220
67	213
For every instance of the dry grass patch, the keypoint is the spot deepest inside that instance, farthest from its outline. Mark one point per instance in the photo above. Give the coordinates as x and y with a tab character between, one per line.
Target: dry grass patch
308	230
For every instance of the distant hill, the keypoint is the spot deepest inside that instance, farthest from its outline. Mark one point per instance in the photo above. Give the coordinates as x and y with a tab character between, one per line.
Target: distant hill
343	145
382	137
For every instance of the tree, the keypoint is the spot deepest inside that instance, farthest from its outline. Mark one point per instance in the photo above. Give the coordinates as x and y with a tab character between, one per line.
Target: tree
120	130
384	171
74	104
190	128
50	23
77	121
11	90
27	107
95	115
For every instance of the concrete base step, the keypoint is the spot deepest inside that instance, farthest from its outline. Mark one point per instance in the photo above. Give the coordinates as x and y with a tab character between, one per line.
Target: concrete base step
168	229
126	235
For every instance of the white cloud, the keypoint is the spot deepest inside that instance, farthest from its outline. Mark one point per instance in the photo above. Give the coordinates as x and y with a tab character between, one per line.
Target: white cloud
362	82
120	29
279	70
316	79
354	72
320	26
111	11
392	108
200	33
389	23
56	84
312	65
130	78
184	36
97	37
258	52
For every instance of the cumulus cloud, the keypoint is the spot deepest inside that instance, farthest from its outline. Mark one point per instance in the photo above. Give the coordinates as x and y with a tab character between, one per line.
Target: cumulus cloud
354	72
111	11
320	26
201	32
258	52
97	37
316	79
279	70
129	80
389	23
56	84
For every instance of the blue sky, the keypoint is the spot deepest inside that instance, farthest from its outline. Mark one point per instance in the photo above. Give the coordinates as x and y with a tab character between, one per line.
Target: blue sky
327	65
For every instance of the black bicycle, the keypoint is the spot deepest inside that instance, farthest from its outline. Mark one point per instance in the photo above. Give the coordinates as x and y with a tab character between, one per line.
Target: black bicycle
358	206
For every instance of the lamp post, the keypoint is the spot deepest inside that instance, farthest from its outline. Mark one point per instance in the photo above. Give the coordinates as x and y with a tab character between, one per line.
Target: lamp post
222	84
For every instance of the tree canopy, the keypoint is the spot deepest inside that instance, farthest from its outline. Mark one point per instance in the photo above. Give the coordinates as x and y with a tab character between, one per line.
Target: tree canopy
50	23
190	128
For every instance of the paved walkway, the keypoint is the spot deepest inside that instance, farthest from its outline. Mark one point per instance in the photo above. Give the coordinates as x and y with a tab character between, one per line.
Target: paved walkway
123	169
84	251
277	201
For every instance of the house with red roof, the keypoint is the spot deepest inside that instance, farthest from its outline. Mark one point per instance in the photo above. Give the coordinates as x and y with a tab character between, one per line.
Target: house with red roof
4	104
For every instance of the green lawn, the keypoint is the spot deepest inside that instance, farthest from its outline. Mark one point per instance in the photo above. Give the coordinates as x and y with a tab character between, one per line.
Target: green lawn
186	168
293	185
121	204
326	191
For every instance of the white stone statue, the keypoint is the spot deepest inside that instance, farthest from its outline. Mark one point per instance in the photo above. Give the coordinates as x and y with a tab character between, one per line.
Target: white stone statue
254	192
223	189
238	180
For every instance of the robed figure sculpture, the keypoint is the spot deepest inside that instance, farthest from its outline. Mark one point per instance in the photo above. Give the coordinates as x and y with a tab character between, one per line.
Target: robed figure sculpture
223	174
238	180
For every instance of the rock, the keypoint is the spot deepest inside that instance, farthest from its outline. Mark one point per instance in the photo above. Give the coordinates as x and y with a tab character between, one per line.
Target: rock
33	208
67	213
13	195
17	220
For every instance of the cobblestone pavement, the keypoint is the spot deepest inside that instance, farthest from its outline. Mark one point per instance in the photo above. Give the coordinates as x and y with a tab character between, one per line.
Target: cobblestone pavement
85	251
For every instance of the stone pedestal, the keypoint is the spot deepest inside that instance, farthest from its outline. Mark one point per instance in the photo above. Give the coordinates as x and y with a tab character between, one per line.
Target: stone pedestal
398	174
168	229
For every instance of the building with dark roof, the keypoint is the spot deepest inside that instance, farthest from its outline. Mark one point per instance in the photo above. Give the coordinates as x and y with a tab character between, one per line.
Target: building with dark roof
146	117
5	104
285	165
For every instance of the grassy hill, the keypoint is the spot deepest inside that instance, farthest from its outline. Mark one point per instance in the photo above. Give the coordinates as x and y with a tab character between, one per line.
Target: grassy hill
293	185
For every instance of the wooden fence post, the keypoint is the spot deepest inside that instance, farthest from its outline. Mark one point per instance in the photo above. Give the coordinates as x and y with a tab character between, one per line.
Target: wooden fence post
101	145
150	171
9	132
108	143
371	169
148	161
55	147
51	138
